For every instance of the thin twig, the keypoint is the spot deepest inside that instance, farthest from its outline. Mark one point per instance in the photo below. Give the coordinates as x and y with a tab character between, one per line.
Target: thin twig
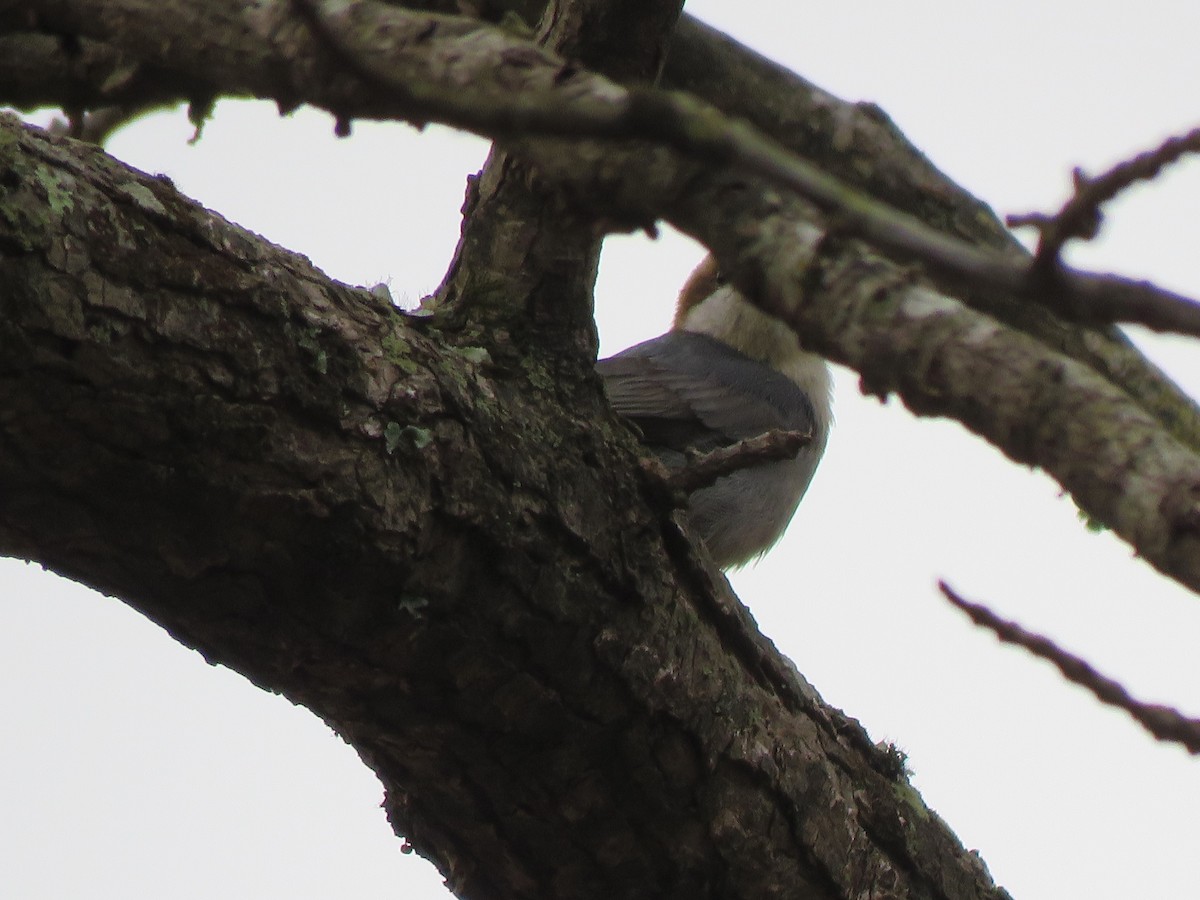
705	469
1081	216
1165	723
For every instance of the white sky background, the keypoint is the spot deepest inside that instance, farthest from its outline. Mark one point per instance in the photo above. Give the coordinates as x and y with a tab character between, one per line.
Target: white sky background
133	769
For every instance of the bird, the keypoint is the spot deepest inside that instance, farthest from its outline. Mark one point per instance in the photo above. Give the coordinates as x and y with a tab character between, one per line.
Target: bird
725	372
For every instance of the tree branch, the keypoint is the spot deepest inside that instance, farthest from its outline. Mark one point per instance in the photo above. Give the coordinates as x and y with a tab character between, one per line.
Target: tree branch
1121	465
703	470
1081	217
272	58
1165	723
344	505
516	233
702	133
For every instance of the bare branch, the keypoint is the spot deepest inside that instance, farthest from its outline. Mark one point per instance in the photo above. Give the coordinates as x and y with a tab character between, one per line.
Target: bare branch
1164	722
509	89
703	133
771	446
1081	216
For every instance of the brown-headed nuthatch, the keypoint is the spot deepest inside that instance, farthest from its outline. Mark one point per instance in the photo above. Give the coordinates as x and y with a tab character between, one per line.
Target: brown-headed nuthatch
726	372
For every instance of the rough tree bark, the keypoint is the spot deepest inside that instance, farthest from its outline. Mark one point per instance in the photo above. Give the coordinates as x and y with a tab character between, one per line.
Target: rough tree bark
429	529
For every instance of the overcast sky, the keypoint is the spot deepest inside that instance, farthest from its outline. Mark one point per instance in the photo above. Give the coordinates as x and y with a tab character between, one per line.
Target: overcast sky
133	769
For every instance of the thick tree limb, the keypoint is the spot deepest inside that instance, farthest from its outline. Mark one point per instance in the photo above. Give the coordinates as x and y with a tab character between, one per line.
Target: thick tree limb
351	508
856	142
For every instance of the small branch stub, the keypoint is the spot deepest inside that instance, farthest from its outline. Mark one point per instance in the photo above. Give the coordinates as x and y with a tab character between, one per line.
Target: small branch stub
771	446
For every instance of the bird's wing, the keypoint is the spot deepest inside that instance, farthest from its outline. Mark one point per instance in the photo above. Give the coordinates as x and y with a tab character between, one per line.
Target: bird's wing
686	390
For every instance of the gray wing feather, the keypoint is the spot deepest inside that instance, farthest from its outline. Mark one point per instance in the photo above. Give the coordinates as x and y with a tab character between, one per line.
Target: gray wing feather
684	379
